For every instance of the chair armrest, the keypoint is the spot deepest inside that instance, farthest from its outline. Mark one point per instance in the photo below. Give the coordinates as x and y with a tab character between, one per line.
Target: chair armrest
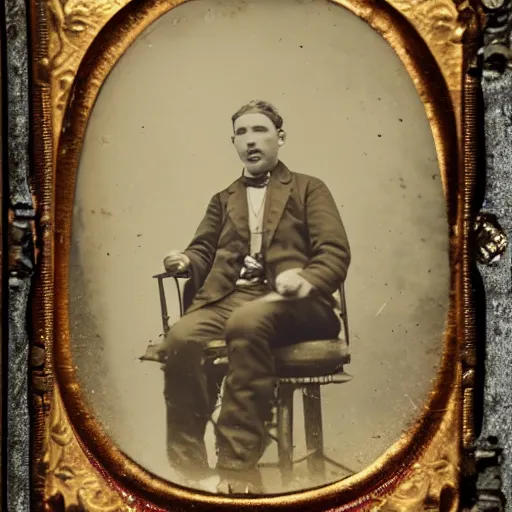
163	301
176	275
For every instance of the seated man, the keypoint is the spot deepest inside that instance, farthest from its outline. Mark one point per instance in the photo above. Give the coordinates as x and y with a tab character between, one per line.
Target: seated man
269	253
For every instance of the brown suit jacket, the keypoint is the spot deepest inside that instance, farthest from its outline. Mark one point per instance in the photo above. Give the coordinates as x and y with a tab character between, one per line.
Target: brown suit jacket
301	228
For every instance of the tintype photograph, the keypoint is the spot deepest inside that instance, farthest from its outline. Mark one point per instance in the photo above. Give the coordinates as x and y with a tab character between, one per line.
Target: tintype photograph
259	274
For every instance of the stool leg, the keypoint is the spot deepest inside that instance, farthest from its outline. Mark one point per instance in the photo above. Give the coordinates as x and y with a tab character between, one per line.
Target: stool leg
314	430
285	431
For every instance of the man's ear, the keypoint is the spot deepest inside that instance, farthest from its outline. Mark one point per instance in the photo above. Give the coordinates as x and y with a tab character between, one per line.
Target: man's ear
282	137
232	139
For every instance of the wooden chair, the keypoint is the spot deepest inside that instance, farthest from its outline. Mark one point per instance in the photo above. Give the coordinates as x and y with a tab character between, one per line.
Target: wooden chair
305	366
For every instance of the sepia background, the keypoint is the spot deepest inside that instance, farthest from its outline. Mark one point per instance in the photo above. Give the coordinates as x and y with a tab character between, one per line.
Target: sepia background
158	147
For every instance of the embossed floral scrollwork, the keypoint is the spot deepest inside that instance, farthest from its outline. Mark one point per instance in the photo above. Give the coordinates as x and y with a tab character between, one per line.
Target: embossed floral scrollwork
444	25
72	483
437	20
428	485
91	497
74	23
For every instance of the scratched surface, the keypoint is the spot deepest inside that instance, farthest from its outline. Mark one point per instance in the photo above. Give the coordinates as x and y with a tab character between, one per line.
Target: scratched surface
374	151
497	278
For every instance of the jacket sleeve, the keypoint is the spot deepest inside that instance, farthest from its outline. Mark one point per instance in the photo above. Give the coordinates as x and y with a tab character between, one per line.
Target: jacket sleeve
201	250
329	248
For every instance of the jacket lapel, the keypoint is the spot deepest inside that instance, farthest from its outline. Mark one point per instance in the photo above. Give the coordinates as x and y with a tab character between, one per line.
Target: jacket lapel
237	208
278	192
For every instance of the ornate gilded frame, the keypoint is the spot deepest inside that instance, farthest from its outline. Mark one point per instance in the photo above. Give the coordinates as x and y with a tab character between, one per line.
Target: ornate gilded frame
75	44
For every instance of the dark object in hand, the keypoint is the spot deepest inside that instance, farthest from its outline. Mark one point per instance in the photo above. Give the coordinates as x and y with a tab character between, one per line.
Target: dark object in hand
253	269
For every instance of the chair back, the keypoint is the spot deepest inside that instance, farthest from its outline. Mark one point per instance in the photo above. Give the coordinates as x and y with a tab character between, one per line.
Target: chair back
163	299
344	313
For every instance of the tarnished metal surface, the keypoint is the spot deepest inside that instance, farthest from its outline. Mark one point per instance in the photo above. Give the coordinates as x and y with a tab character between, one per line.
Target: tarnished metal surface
497	277
17	103
18	434
20	257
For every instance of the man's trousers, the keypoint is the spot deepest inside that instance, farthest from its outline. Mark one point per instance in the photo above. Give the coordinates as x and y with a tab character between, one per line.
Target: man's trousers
251	329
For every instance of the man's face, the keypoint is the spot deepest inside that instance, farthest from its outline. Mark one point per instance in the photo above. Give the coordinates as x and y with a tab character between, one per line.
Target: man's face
257	142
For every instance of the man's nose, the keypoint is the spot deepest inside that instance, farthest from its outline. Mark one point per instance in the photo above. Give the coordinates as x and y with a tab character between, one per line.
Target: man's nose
251	143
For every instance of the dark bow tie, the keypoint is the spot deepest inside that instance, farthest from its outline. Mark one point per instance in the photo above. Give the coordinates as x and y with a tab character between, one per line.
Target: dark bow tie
260	181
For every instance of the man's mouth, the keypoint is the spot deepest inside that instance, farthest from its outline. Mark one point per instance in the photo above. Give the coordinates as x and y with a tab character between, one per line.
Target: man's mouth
254	155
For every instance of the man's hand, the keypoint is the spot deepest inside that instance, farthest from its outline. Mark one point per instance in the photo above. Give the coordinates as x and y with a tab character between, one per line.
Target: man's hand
291	284
176	262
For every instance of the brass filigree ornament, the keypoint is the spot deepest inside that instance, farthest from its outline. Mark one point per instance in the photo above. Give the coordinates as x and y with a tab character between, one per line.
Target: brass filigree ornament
420	472
442	25
73	26
71	479
424	489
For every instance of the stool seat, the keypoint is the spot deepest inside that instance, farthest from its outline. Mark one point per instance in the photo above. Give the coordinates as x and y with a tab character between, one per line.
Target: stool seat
315	358
311	358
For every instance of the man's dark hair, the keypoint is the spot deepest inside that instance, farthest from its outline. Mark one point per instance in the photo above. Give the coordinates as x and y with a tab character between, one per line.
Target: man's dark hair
261	107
